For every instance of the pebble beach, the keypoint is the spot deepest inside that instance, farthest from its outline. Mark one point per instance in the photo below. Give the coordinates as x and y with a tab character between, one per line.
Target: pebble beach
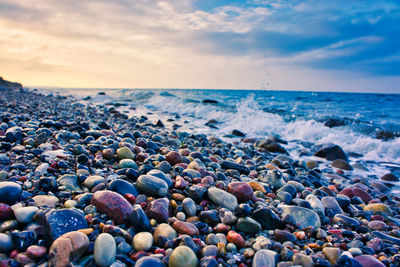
84	185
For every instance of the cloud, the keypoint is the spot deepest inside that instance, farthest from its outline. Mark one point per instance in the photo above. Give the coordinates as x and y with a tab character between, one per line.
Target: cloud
190	38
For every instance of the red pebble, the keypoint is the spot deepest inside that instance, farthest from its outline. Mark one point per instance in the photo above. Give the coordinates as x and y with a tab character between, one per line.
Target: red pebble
137	255
235	238
131	198
23	178
160	251
13	254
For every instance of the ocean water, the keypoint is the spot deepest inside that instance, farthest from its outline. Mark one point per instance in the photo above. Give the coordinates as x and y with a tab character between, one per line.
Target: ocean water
366	126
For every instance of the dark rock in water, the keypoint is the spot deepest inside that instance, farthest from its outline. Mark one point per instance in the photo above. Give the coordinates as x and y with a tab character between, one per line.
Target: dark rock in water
148	261
346	261
332	153
346	220
211	123
238	133
101	93
210	101
159	123
386	135
10	192
235	166
160	210
139	219
59	222
336	122
112	204
271	146
123	187
197	192
341	164
268	219
390	177
22	240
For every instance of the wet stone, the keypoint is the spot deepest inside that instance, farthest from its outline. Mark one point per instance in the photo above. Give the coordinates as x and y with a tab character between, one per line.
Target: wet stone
105	250
248	225
267	219
222	198
302	217
159	209
123	187
241	190
189	207
265	257
10	192
183	256
152	185
112	204
139	219
148	261
59	222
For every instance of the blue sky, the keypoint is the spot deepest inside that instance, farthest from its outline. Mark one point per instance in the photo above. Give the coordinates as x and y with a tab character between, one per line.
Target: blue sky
253	44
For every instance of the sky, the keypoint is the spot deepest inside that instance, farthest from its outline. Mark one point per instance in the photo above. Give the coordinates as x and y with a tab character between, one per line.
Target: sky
318	45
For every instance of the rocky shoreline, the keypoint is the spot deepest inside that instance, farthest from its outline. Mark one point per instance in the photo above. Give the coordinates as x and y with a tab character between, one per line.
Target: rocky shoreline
90	186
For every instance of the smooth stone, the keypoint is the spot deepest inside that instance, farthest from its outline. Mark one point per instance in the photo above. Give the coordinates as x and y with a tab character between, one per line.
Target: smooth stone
241	190
22	240
148	261
376	207
282	236
45	201
315	203
35	251
331	153
235	238
152	185
70	182
273	178
235	166
105	250
369	261
210	217
25	214
162	176
265	257
139	219
6	243
182	256
390	177
362	194
93	180
341	164
142	241
125	153
6	212
59	222
302	217
173	157
227	216
165	231
68	248
386	237
302	260
160	210
267	219
332	254
10	192
222	198
127	163
248	225
377	225
189	207
185	228
113	204
346	220
284	197
123	187
331	204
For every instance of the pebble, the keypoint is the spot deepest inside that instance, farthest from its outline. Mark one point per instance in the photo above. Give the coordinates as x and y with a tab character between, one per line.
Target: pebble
112	204
265	257
369	261
45	201
248	225
182	256
35	251
185	228
378	207
68	247
148	261
160	210
125	153
302	217
222	198
10	192
6	243
332	254
123	187
189	207
25	214
142	241
105	250
164	230
59	222
152	185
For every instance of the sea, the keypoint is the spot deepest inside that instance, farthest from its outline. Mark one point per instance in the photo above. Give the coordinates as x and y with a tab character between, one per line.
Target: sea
365	125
